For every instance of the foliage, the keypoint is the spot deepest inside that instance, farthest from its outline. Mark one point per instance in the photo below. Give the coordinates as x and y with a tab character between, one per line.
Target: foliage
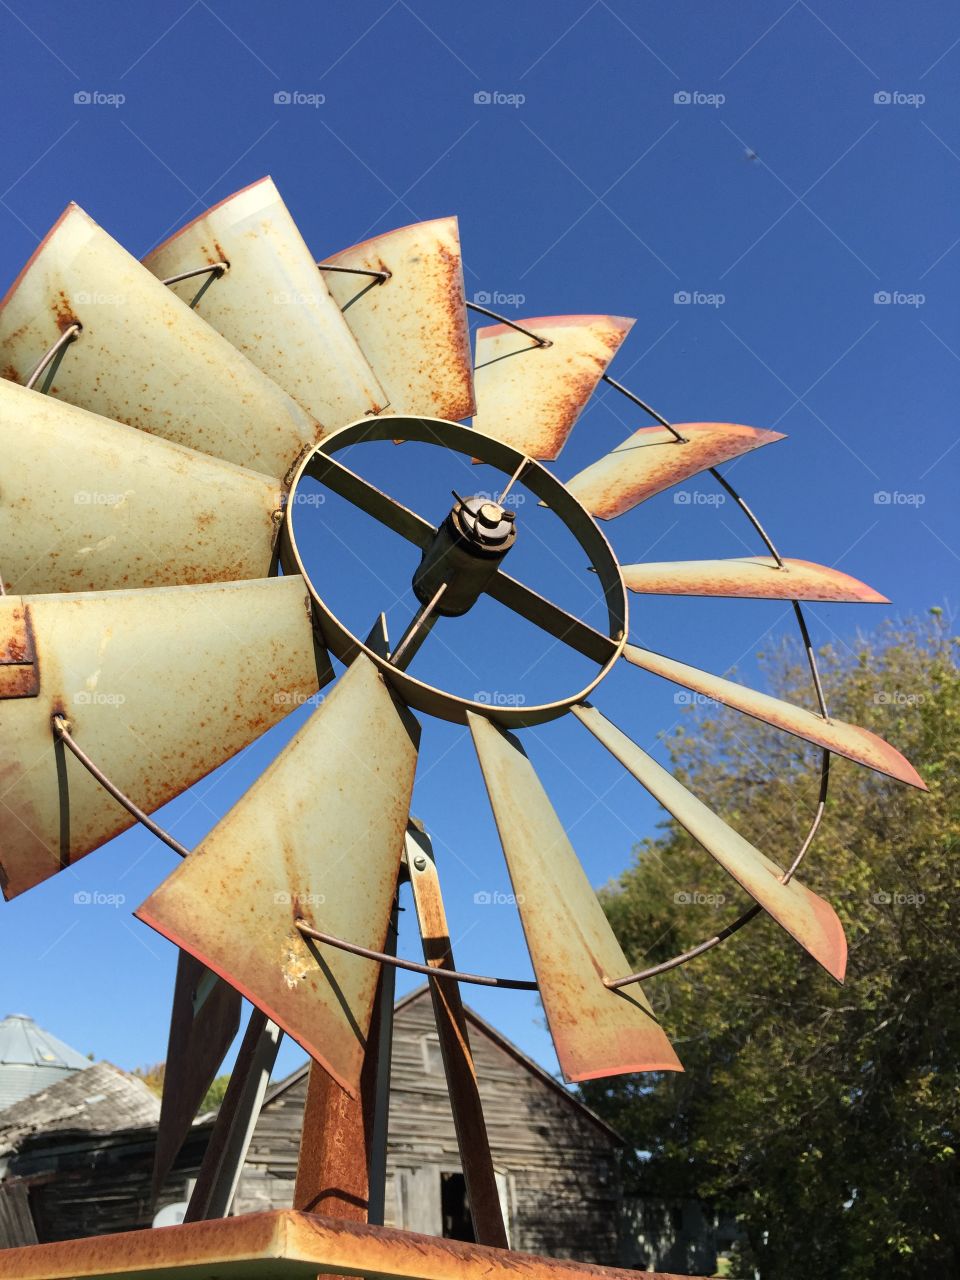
152	1077
825	1117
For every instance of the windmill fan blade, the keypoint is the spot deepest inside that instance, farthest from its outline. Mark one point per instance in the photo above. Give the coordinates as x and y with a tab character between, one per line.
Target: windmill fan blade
317	837
530	397
596	1031
412	327
143	357
653	459
756	577
808	919
845	739
273	304
91	505
159	687
203	1024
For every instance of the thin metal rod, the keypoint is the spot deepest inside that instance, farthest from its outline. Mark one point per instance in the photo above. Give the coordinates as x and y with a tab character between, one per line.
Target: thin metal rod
817	817
811	659
68	336
511	324
381	277
618	386
477	979
62	733
512	481
419	628
219	268
767	540
654	971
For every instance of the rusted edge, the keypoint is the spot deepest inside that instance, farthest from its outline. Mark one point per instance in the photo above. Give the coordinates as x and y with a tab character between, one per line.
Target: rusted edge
19	669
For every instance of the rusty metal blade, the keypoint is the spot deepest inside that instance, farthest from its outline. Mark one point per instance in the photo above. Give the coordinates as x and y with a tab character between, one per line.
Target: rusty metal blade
203	1023
808	919
412	328
143	356
757	577
273	304
318	837
159	687
653	459
87	504
595	1031
530	397
844	739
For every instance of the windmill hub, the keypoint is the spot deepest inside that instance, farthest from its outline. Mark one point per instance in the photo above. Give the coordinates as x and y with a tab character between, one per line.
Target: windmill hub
465	554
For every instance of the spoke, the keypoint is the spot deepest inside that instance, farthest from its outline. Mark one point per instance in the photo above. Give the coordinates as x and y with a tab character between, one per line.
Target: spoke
522	599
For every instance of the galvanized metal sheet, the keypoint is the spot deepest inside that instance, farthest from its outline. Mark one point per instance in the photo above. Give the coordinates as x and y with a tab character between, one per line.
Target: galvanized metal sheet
413	327
203	1023
91	505
159	687
757	577
596	1031
808	919
286	1245
653	459
844	739
318	837
143	356
531	397
273	304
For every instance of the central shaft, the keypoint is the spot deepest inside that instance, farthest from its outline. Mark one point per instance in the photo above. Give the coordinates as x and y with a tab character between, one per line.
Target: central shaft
465	554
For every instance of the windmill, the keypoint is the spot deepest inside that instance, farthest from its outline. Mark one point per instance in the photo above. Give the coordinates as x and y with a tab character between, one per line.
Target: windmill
158	421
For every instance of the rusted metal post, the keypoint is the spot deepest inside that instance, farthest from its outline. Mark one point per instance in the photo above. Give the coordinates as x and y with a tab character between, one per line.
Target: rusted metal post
458	1064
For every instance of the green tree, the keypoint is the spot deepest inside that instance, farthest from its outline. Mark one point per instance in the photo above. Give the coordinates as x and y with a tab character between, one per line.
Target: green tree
825	1117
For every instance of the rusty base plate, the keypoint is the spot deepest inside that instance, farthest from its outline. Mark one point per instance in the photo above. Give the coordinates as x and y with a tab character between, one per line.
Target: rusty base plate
285	1244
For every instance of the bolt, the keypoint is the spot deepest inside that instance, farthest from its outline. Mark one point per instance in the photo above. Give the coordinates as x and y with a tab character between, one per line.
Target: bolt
490	515
420	862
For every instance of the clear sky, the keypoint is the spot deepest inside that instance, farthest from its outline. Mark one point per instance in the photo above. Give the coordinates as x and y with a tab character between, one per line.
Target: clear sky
792	169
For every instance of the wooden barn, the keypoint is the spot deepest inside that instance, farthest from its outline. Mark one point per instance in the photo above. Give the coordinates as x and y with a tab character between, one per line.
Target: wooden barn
558	1165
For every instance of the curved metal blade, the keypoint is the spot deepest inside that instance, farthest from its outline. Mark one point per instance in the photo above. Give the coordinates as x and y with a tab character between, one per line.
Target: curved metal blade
317	837
143	356
808	919
91	505
412	328
159	687
531	397
596	1031
204	1021
756	577
273	304
653	459
844	739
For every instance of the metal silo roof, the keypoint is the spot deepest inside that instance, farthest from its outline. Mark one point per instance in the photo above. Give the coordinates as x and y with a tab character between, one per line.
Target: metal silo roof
31	1059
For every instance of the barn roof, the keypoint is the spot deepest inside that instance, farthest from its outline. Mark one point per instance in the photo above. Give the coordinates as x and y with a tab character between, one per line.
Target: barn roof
31	1059
98	1100
500	1040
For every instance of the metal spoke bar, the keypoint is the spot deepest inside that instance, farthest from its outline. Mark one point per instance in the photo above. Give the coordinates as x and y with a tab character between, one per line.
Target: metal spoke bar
508	591
511	324
54	354
379	276
218	268
618	386
478	979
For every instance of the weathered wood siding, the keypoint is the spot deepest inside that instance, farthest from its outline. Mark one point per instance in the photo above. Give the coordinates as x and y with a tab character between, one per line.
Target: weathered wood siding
558	1167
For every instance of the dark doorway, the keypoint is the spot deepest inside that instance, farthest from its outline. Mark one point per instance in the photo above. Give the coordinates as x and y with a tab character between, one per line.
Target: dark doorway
455	1208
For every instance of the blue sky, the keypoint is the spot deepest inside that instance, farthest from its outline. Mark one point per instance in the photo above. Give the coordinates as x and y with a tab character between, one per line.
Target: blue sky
786	166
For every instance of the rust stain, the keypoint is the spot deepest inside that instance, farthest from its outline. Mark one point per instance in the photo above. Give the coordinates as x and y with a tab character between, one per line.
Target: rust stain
63	312
755	577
